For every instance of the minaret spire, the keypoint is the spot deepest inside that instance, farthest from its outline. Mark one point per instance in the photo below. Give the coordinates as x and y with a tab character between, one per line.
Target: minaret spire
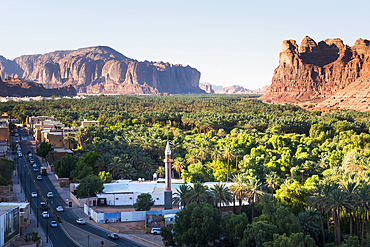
168	191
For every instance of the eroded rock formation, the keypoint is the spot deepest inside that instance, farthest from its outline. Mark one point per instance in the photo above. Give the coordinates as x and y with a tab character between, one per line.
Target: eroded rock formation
101	69
16	88
314	72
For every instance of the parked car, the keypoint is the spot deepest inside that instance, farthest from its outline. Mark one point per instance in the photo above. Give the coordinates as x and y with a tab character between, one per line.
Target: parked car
156	231
80	221
43	205
53	223
60	209
45	215
50	194
113	236
20	154
34	194
39	177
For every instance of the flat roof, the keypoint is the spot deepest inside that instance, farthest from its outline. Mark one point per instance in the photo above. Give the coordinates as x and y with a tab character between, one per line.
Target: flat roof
20	204
5	209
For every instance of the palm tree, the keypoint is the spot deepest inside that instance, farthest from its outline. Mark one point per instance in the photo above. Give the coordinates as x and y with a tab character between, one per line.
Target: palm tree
318	201
239	189
80	136
114	167
362	200
69	139
178	164
254	192
228	153
103	161
160	171
199	193
350	189
222	194
338	200
272	181
181	195
126	171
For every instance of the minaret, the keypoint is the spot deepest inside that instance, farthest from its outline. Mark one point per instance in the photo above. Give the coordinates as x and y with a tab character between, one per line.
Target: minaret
168	191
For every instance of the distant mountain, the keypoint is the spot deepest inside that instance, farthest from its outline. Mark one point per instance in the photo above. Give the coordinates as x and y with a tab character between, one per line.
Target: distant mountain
214	87
16	88
240	90
102	70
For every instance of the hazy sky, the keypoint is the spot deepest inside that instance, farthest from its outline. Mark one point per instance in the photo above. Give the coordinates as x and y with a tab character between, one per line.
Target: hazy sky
229	42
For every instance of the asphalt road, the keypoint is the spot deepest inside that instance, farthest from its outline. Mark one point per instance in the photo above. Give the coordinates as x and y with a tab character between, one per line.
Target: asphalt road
56	235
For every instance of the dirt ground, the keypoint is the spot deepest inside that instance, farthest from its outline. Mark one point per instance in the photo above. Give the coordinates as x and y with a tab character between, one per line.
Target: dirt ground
128	226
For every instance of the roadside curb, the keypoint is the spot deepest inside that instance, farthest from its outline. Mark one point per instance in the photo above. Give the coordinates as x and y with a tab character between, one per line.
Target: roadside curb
144	240
64	230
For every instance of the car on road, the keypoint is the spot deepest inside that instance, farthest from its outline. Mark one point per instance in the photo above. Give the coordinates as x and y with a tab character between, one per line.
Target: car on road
43	205
34	194
50	194
80	221
39	177
14	152
34	166
45	215
35	169
53	223
113	236
20	154
156	231
33	163
60	209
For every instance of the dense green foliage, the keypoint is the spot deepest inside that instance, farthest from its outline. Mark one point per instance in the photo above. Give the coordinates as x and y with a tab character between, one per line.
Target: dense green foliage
144	202
315	164
90	186
6	168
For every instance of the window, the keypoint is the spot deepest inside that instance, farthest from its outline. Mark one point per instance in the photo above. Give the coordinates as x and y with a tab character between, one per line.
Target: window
130	198
157	198
117	198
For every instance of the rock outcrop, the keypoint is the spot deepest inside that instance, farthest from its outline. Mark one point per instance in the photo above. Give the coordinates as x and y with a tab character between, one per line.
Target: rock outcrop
14	87
207	88
314	72
97	70
240	90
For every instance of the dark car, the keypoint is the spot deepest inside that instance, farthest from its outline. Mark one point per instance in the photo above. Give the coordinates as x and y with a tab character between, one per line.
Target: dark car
43	206
113	236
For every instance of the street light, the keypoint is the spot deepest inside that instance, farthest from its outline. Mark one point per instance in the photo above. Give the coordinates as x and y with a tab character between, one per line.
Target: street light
47	230
37	211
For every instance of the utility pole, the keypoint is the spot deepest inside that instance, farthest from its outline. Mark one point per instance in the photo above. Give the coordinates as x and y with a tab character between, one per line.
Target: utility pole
302	171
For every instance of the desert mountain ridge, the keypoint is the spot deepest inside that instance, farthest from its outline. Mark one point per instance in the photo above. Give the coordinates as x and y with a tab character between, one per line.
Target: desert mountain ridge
329	72
101	70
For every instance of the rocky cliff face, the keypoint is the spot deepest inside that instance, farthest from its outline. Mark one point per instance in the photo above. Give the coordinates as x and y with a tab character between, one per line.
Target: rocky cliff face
207	88
16	88
314	72
100	69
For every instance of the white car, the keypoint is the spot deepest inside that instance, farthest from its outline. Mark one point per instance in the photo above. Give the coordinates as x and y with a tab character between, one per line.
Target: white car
34	194
53	224
156	231
60	209
45	215
80	221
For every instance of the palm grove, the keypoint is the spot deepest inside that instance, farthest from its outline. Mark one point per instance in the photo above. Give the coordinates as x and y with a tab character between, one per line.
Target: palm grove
303	173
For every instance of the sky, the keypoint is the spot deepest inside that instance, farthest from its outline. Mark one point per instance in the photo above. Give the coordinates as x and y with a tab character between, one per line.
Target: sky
229	42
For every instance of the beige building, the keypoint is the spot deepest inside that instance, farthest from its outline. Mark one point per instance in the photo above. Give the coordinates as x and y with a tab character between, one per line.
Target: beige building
86	124
53	137
34	120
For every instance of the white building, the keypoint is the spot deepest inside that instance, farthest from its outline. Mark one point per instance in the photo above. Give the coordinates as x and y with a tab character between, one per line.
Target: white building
9	223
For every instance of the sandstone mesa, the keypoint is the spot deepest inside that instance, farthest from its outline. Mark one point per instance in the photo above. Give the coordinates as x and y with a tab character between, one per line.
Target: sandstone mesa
101	70
330	72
